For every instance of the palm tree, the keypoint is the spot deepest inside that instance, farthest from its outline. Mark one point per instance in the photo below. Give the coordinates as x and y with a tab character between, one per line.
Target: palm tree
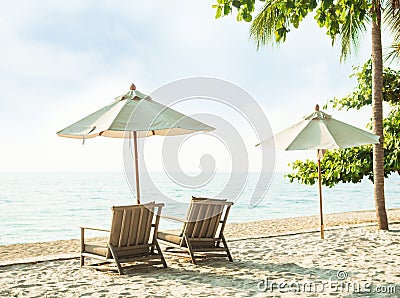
377	117
265	27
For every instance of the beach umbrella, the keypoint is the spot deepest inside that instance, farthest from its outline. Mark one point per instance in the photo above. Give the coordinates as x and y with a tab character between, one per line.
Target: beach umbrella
133	115
319	131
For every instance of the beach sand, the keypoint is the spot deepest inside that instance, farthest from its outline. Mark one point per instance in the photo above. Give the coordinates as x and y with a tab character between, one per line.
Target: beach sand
354	257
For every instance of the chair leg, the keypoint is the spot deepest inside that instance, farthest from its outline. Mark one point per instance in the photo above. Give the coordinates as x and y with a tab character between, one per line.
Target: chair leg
227	249
161	254
120	270
82	246
189	245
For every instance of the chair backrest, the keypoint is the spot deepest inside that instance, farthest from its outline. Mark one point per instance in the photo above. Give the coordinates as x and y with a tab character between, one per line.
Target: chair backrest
204	216
131	225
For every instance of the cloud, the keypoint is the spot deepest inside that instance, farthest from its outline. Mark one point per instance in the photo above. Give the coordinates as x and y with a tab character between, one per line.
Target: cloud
62	60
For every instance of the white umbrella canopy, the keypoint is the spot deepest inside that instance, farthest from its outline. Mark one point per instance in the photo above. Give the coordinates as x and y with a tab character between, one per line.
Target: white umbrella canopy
136	115
133	111
319	131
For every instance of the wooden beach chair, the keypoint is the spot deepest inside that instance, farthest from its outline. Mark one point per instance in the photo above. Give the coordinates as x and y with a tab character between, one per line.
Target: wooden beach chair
202	231
133	237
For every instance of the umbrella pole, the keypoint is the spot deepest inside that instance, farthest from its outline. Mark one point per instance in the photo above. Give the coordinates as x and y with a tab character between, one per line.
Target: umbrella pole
320	199
136	166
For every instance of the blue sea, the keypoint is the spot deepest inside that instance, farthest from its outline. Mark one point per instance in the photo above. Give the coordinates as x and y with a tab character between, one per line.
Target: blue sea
51	206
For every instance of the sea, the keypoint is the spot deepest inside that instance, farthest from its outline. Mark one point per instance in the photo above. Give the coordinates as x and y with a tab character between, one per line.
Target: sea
38	207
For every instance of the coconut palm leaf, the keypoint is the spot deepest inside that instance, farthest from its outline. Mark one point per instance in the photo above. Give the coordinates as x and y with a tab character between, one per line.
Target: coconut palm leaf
392	19
264	26
353	28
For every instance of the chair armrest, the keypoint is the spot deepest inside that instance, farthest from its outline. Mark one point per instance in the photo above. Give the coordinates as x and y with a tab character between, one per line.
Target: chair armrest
173	218
95	229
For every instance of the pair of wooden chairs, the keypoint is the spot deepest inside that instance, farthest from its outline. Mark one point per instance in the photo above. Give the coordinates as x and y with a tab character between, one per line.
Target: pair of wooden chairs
134	234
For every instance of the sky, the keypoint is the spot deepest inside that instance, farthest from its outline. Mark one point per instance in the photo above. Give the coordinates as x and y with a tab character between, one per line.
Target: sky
62	60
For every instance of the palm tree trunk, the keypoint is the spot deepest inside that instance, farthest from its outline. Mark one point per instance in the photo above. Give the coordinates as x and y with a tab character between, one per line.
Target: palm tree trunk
377	119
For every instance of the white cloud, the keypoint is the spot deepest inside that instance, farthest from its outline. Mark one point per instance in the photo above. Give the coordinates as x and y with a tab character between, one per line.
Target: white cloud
62	60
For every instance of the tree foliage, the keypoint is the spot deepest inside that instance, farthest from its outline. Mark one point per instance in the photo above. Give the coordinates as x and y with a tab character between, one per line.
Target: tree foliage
342	18
353	164
362	94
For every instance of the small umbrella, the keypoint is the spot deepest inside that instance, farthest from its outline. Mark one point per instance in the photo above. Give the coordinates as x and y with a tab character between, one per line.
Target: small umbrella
133	114
319	131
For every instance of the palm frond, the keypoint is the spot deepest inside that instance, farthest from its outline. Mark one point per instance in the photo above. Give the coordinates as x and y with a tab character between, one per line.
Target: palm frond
392	20
263	28
393	53
350	33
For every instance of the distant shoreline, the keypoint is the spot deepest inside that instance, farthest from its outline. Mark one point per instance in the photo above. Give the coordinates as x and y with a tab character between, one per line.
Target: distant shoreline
234	231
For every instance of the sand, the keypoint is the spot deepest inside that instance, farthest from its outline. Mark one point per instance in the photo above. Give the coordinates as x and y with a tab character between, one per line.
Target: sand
354	257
